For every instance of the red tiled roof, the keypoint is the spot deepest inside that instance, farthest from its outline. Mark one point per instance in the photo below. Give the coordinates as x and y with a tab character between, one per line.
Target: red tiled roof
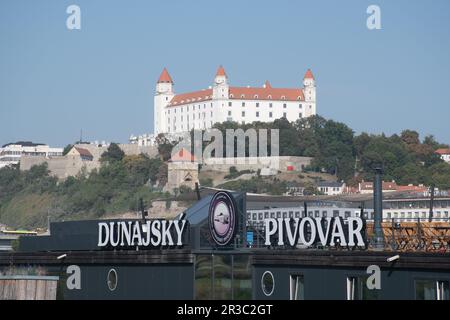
83	152
165	77
267	93
191	97
308	75
221	72
443	151
182	156
242	93
385	185
412	188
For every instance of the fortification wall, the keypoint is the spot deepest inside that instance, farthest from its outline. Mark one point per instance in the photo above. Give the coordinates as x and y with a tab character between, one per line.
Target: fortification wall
66	166
281	163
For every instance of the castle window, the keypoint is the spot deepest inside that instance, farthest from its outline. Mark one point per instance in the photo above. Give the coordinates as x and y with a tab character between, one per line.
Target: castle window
283	98
229	113
243	113
243	104
270	114
242	96
257	104
269	97
300	115
284	114
167	98
300	105
211	114
270	105
231	96
230	104
257	114
256	96
284	105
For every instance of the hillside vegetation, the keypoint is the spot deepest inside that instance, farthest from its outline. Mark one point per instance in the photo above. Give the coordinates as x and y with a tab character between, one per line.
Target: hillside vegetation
28	198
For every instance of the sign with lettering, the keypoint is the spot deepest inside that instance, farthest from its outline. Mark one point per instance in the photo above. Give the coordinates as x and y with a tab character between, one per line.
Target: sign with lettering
151	233
315	231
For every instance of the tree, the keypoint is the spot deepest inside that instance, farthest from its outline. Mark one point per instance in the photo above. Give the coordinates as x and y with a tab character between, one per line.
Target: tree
164	147
67	149
113	154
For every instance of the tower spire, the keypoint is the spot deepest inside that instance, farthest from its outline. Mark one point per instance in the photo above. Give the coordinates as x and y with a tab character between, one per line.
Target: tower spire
165	77
221	72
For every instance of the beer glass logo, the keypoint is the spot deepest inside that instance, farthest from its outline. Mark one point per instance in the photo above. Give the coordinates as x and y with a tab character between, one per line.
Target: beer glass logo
222	218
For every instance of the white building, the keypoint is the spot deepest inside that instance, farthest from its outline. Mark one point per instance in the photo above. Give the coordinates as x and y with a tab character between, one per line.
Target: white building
177	113
331	188
11	153
444	153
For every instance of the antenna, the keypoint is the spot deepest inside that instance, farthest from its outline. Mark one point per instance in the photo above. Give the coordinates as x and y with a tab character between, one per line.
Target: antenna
81	136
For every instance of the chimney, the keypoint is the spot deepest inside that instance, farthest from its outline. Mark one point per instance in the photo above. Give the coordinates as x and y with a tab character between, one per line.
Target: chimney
378	237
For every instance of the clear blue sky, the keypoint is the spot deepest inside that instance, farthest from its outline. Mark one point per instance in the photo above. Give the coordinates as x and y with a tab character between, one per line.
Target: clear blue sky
54	82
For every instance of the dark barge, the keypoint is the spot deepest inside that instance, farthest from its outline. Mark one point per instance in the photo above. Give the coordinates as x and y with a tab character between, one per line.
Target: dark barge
215	263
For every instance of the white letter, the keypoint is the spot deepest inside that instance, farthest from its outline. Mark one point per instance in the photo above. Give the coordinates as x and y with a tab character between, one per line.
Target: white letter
156	232
323	236
180	231
312	239
338	231
74	20
374	20
136	234
355	232
374	281
103	226
292	236
270	231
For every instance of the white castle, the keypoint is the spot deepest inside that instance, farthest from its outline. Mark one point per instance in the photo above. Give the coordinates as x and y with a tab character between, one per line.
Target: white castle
178	113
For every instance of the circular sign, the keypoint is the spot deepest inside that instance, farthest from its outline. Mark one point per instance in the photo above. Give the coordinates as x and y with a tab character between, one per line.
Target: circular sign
222	218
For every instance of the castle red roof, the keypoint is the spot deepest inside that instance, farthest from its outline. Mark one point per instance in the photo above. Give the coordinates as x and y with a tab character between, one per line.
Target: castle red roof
242	93
165	77
267	93
221	72
308	75
191	97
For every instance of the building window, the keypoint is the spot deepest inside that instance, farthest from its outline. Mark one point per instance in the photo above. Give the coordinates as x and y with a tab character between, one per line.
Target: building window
284	115
243	104
270	105
257	114
243	113
357	289
267	283
230	104
300	105
297	287
270	114
431	290
257	104
112	279
300	115
229	113
284	105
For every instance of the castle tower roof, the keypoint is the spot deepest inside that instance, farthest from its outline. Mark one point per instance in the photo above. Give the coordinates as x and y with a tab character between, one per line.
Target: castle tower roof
165	77
221	72
308	75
